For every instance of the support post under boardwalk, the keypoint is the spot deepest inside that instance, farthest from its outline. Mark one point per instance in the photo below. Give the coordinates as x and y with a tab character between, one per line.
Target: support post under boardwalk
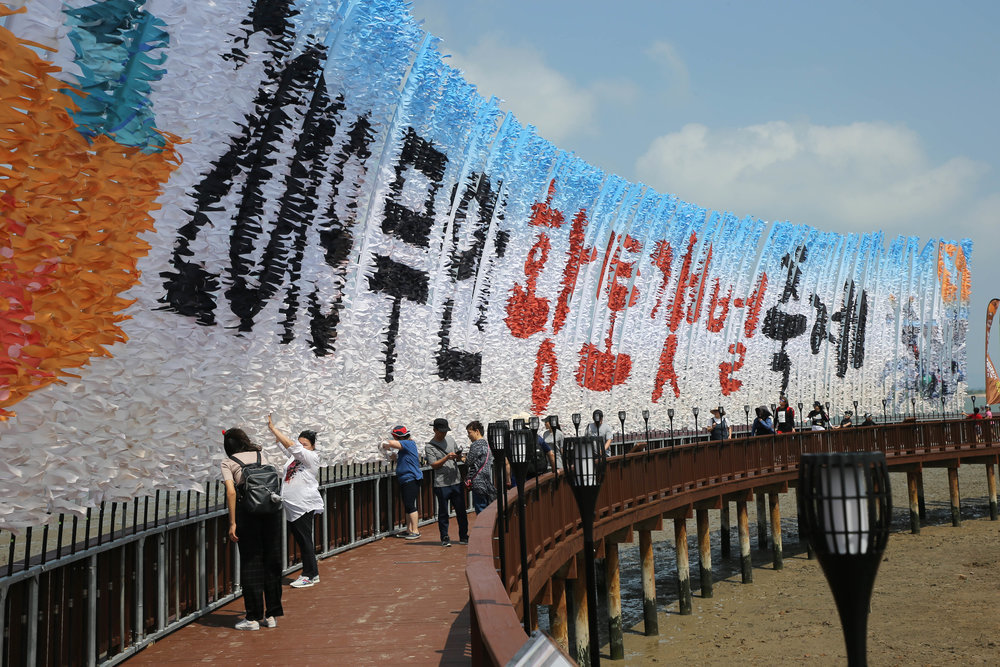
650	623
580	619
911	487
683	567
991	486
616	639
724	528
956	514
558	626
920	496
761	523
743	524
704	554
772	501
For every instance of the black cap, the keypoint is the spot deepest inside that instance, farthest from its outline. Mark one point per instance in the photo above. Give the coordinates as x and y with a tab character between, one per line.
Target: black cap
441	425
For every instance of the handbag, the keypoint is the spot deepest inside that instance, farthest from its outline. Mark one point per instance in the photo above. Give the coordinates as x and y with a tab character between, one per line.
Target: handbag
468	481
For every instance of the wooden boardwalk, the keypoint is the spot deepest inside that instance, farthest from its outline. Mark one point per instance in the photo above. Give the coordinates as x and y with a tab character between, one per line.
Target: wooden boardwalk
390	602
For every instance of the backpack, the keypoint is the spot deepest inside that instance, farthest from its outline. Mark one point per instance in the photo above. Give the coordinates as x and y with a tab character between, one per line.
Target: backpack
260	490
538	461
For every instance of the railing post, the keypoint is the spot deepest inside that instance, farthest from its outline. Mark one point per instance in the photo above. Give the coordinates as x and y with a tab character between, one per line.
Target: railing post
350	504
378	507
31	648
202	581
326	520
92	611
161	580
140	586
3	618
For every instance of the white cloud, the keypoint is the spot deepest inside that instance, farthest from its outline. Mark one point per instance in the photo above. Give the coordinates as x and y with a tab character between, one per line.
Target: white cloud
664	54
856	177
537	93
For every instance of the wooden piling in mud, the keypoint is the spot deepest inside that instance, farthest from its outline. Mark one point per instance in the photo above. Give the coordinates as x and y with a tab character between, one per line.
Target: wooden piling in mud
616	638
956	513
581	620
772	500
724	529
704	553
651	626
743	523
914	492
761	523
683	567
991	486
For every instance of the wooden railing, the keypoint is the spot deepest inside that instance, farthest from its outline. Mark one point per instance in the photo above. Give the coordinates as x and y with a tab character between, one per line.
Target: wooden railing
661	479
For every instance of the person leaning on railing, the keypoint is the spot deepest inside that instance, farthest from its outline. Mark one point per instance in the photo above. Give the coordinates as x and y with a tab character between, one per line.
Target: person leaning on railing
408	474
259	537
301	498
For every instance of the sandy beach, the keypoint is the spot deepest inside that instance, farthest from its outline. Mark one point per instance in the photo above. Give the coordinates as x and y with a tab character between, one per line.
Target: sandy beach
935	601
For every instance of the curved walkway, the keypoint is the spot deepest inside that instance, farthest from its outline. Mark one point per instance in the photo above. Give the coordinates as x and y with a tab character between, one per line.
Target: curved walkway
389	602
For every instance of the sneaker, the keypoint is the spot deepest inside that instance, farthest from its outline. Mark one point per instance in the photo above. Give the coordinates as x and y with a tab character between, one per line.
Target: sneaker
270	622
446	542
315	579
412	536
303	582
248	625
464	542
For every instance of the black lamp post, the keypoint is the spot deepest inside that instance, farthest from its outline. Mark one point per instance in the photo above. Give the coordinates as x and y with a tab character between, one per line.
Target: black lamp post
802	423
576	422
973	397
520	441
645	418
943	416
913	406
584	461
695	411
827	409
885	415
496	435
845	506
670	416
854	421
621	418
746	409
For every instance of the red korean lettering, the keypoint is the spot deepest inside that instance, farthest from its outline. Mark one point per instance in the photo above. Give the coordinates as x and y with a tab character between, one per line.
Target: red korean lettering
727	382
527	312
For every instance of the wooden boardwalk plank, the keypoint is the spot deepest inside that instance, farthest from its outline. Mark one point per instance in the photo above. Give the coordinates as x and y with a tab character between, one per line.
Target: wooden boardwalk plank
393	601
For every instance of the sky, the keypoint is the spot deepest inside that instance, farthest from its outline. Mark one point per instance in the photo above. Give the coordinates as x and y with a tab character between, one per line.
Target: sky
848	116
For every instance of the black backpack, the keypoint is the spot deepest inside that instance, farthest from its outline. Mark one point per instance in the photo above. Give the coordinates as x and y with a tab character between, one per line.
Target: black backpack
260	490
538	460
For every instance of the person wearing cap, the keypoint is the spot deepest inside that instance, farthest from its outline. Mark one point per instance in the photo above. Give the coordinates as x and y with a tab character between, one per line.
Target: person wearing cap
600	429
817	417
847	419
443	456
300	497
554	439
868	420
408	475
718	426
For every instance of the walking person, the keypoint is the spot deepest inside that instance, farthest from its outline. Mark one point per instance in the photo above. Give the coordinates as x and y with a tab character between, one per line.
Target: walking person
762	423
443	456
258	537
718	426
480	462
301	498
554	438
408	475
785	418
599	429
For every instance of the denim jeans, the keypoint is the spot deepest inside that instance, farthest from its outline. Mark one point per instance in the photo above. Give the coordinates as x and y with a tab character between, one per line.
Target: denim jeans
455	494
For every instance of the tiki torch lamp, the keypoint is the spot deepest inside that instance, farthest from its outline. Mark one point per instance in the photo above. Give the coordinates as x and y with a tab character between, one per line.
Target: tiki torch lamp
746	409
973	397
521	441
621	418
855	413
670	416
584	461
885	415
695	411
943	415
802	423
845	506
496	435
645	418
913	406
576	422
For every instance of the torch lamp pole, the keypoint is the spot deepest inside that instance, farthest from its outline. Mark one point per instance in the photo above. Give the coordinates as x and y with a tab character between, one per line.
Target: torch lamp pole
885	414
621	418
645	418
576	422
584	461
845	506
746	409
670	416
520	439
695	411
496	435
855	415
802	424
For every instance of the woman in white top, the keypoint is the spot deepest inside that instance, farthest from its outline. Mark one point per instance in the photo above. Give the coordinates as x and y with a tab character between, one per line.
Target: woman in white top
301	498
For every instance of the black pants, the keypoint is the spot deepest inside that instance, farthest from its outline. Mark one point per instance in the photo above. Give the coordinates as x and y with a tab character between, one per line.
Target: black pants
302	531
260	563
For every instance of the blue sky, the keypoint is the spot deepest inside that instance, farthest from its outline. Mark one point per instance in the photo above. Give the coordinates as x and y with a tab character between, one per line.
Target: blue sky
847	116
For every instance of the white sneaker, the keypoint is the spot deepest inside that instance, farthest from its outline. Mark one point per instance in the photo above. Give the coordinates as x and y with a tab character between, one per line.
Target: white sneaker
303	582
248	625
315	579
270	622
